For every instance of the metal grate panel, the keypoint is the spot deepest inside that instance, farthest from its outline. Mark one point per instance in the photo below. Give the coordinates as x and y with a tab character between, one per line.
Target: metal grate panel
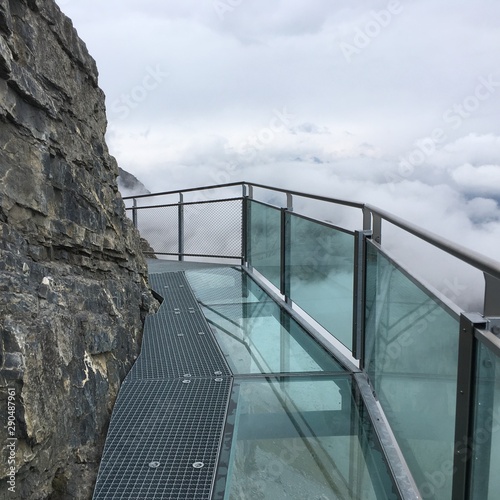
178	344
168	420
175	290
160	434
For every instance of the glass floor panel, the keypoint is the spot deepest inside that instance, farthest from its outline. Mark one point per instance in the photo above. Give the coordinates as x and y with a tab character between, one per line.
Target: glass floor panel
225	286
254	333
303	438
296	427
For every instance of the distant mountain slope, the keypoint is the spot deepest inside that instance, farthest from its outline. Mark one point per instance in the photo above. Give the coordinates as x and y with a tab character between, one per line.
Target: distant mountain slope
129	184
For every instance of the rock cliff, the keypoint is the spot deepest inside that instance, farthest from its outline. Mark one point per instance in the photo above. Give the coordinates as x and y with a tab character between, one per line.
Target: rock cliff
73	290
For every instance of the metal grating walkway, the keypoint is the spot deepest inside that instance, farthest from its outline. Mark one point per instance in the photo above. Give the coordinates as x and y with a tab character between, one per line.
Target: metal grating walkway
167	424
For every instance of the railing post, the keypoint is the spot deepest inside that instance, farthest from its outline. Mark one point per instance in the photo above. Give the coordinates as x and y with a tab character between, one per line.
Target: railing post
464	432
244	225
358	327
377	229
181	227
367	219
285	250
134	213
492	296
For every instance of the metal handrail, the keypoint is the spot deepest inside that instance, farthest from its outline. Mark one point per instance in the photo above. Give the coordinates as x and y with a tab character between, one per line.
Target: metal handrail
336	201
475	259
311	196
189	190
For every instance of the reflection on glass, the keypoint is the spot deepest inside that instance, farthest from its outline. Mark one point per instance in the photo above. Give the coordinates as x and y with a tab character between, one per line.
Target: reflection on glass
254	333
486	441
304	438
321	266
412	358
264	240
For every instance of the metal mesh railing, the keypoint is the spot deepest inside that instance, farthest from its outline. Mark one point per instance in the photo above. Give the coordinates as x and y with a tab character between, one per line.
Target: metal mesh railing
211	228
160	227
214	228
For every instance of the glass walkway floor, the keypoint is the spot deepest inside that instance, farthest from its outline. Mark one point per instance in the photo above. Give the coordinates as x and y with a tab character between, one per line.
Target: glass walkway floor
232	399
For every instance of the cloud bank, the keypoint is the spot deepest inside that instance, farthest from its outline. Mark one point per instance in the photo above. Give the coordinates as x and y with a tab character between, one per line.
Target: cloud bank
388	102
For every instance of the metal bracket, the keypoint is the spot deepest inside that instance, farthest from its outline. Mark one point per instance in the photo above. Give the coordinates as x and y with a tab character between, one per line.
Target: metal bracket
494	326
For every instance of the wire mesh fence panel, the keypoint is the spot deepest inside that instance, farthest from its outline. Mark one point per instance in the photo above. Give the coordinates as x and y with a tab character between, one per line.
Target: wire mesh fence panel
160	227
213	228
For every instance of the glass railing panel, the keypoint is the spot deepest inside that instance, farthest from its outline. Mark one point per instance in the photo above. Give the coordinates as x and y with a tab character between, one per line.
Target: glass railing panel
320	270
486	439
412	361
299	438
253	332
264	240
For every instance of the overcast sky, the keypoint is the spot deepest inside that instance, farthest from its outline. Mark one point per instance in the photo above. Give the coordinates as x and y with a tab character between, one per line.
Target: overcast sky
396	103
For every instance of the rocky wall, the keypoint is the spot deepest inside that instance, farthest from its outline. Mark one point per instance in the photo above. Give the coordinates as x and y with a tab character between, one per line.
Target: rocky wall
73	281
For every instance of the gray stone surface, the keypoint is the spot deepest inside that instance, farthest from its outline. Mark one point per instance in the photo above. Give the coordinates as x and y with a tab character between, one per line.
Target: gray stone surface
73	281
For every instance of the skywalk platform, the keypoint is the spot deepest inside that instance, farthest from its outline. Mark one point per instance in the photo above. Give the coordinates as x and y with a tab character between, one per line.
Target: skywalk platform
230	398
352	373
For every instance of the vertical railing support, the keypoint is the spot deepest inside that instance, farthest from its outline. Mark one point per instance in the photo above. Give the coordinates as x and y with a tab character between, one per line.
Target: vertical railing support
134	213
377	229
247	191
492	296
464	431
244	226
367	219
358	327
285	249
180	225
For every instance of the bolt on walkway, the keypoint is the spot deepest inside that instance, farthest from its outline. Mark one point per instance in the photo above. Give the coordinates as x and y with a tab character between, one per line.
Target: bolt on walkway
230	398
